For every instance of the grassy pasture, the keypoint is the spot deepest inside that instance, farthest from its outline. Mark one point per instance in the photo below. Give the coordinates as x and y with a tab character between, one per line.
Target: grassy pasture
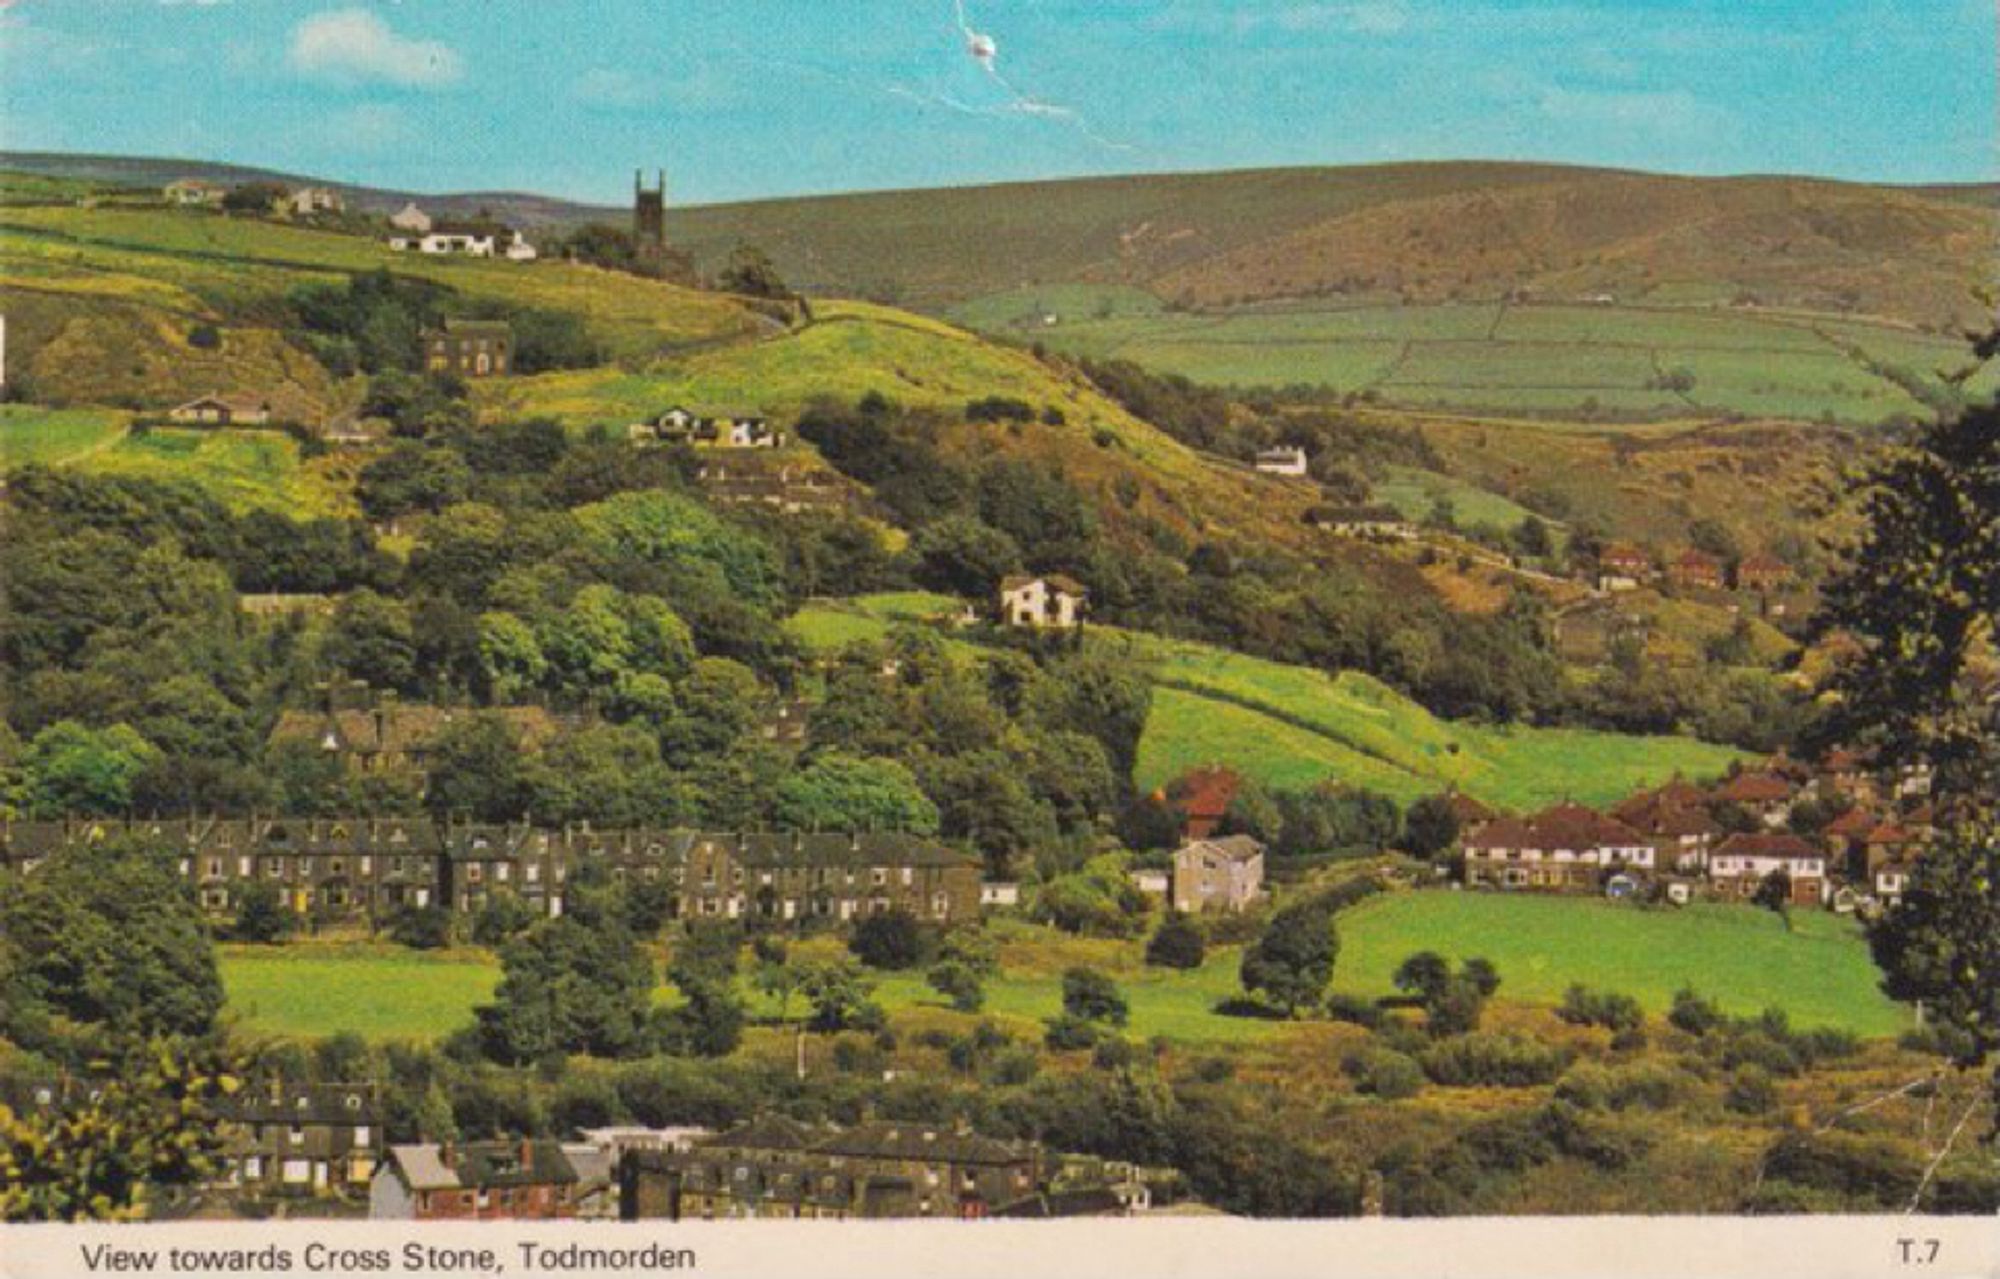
1415	492
31	433
637	318
381	992
1745	960
247	470
1538	359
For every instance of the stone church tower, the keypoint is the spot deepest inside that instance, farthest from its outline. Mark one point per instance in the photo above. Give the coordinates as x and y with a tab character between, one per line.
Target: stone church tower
649	219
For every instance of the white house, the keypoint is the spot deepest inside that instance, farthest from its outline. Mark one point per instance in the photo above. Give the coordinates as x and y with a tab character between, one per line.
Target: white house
1282	461
999	894
194	191
519	250
467	239
1054	601
410	218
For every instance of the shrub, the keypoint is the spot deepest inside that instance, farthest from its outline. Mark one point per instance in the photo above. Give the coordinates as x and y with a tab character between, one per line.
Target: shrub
1751	1092
1504	1060
1582	1006
1089	995
205	337
1068	1034
1177	943
1693	1014
1382	1073
1356	1010
890	940
1014	1066
999	408
1113	1053
1940	1040
421	927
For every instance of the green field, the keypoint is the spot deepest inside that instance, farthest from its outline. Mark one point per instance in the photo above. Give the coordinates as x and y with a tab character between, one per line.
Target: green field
30	433
1743	959
381	992
1291	726
1557	360
1415	493
244	469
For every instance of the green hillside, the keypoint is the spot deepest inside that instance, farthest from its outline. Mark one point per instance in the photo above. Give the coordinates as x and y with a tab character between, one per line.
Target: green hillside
1291	727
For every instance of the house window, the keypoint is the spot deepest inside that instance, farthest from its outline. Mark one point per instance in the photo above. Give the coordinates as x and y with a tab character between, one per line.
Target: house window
297	1135
533	872
909	876
500	872
473	873
361	1136
879	876
243	867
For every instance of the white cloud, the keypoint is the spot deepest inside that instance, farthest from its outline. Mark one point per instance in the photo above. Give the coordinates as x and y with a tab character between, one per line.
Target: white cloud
356	45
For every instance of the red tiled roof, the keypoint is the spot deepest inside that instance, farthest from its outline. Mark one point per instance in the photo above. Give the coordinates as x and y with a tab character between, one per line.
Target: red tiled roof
1754	788
1576	827
1205	792
1855	821
1769	844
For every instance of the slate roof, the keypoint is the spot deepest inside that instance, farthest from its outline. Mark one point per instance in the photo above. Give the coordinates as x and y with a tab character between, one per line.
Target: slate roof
891	1139
341	1104
1235	848
483	1164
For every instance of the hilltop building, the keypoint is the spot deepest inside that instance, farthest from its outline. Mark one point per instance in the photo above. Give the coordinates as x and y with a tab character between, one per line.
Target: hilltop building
307	201
649	220
197	192
412	219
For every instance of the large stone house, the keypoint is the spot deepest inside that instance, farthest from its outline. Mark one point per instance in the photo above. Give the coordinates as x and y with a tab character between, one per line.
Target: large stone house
470	348
523	1180
1224	874
1052	602
1622	566
1694	570
301	1138
773	1167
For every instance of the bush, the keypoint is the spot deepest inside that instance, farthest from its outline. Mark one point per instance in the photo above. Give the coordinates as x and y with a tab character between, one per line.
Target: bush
421	927
1582	1006
999	408
1068	1034
891	940
1177	944
1504	1060
1640	1086
1751	1092
1693	1014
1113	1053
1356	1010
1382	1073
1089	995
205	337
1940	1040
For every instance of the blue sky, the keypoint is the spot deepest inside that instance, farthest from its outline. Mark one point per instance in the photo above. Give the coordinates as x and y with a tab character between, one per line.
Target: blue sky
746	98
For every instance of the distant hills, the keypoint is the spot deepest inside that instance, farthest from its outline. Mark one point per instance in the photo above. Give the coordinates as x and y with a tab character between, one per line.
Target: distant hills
1418	232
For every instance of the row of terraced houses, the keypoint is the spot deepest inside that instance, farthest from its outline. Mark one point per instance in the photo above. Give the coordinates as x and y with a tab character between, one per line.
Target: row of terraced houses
1844	835
369	868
